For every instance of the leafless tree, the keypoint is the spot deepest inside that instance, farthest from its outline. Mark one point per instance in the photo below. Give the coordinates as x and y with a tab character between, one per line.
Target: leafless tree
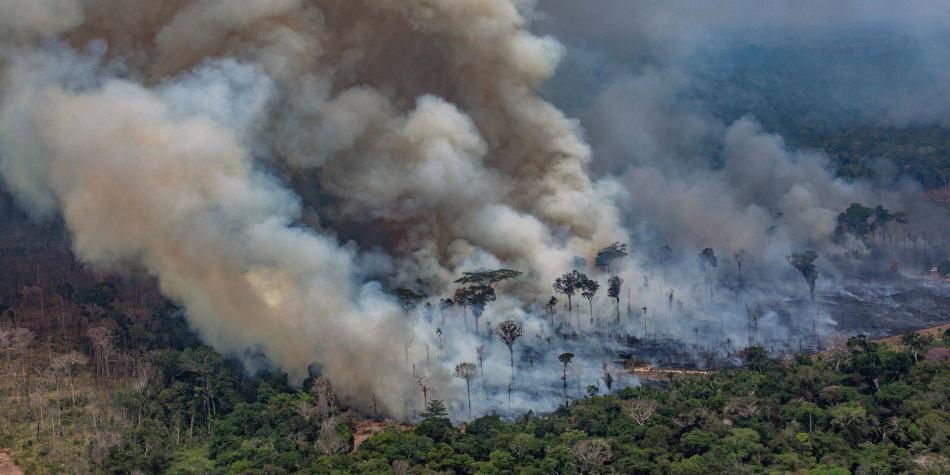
421	382
640	410
68	363
307	410
325	397
329	441
102	348
16	340
592	454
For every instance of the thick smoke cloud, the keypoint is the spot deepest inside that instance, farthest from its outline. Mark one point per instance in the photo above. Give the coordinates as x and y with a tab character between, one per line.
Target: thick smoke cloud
281	165
38	19
696	176
277	164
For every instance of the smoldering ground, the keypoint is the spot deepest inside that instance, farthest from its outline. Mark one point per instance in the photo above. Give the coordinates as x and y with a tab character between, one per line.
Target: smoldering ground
282	165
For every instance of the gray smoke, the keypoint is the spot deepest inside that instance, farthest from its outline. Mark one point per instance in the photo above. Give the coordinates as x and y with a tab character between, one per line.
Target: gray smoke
277	164
281	165
693	177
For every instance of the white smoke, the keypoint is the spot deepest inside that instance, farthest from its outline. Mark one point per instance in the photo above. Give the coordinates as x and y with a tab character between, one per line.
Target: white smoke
280	165
234	148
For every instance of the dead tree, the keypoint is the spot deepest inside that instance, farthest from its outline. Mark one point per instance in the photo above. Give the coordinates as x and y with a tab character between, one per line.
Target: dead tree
424	388
592	454
640	410
68	364
102	348
324	397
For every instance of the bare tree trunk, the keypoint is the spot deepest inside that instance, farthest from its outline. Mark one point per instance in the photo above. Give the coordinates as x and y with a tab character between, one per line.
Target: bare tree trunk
468	392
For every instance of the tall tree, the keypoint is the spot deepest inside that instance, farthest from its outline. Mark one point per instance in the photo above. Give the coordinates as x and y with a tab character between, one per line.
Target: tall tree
407	298
479	296
805	263
567	285
460	297
855	220
444	306
565	359
882	216
739	257
466	371
509	331
606	256
490	278
644	310
480	351
707	263
589	288
669	303
552	304
613	291
661	256
69	363
424	388
607	377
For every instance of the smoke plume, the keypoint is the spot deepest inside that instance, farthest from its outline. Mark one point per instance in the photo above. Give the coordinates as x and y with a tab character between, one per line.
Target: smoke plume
277	164
281	166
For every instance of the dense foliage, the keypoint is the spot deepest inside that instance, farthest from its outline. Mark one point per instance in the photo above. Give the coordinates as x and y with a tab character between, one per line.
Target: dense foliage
866	408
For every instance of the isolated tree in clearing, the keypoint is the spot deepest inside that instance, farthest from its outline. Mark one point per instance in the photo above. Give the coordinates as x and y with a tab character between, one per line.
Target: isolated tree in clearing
589	288
466	371
567	285
613	291
565	359
510	331
805	263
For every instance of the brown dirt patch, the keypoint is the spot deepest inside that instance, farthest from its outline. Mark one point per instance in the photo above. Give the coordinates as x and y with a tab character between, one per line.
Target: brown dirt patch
366	428
6	465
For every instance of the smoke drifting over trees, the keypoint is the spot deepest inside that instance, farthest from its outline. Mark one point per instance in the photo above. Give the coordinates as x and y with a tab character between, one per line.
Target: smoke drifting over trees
310	179
190	138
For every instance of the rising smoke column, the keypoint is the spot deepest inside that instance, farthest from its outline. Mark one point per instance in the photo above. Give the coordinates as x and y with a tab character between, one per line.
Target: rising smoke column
164	134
